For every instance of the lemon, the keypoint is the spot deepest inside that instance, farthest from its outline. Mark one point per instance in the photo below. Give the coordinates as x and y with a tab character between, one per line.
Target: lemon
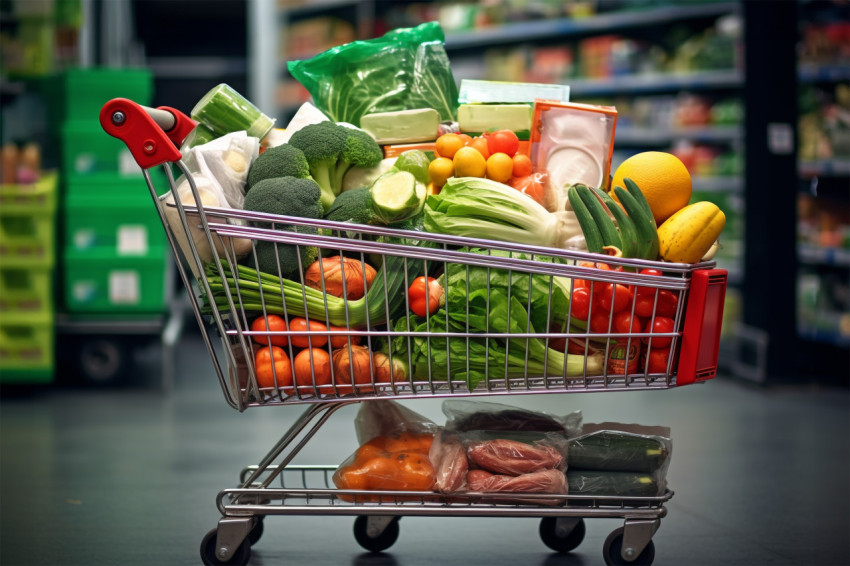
468	162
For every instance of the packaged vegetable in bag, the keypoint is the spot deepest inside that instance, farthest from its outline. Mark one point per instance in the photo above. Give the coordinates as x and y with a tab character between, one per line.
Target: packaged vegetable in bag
467	414
404	69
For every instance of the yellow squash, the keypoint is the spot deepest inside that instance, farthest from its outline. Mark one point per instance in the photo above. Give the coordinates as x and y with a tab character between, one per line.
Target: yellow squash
689	233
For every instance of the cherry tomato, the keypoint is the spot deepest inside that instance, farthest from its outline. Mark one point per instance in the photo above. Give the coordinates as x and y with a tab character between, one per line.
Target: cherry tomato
424	295
599	321
275	324
580	303
625	323
503	141
657	359
661	324
616	297
667	303
585	283
644	305
641	291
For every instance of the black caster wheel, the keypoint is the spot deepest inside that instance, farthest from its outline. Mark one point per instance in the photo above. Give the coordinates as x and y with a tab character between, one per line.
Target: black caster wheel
375	542
102	360
560	541
256	531
209	554
614	545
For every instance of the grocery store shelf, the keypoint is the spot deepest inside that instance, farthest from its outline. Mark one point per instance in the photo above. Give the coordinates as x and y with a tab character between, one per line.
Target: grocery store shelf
564	27
820	255
196	67
657	82
809	73
316	6
718	184
824	168
815	334
705	134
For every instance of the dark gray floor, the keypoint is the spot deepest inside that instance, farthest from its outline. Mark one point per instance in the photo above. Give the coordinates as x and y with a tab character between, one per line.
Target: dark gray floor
130	476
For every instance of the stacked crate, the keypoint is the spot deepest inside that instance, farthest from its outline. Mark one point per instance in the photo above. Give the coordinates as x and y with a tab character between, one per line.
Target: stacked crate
27	258
115	259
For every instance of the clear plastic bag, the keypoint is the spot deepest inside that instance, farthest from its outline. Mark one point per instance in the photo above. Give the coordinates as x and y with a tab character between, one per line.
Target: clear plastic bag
405	69
466	415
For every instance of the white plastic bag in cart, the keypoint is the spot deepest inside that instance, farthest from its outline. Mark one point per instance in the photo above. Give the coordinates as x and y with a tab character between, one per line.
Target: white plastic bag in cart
224	162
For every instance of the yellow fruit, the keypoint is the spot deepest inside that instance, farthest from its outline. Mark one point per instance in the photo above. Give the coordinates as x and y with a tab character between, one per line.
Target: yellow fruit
469	162
500	167
662	178
439	170
690	232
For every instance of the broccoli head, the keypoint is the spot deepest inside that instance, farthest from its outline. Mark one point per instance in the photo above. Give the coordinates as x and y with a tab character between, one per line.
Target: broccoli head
284	160
287	196
353	206
331	150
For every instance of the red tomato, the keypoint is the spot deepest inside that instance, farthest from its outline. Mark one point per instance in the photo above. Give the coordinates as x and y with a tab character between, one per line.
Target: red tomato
661	324
625	323
270	364
275	324
503	141
580	303
424	295
616	297
667	303
599	322
641	291
529	185
657	359
583	282
644	305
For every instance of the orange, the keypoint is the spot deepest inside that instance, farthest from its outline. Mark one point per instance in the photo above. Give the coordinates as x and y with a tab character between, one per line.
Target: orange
448	144
500	166
468	162
480	143
662	178
522	165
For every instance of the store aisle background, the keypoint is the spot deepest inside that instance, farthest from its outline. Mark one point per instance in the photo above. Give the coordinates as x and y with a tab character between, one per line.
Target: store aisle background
129	476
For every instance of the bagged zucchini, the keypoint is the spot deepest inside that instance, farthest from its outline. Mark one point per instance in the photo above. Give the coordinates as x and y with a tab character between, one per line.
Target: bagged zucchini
618	484
620	448
405	68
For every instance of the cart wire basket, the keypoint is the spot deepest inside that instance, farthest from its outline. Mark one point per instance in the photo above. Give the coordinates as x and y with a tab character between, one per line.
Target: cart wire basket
504	324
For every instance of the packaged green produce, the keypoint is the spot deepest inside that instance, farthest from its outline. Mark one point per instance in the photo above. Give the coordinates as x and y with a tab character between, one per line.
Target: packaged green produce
620	448
223	110
406	68
619	484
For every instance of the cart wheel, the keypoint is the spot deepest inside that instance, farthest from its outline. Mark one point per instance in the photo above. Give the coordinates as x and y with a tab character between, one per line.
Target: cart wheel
256	530
209	556
102	360
560	541
614	545
378	542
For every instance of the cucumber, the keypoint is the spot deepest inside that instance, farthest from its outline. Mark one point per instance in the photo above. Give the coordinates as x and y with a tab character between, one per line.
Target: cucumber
628	232
610	236
618	451
592	235
396	196
620	484
647	235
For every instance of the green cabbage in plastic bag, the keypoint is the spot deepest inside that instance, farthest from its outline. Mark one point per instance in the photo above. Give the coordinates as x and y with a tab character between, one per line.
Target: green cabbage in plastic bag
404	69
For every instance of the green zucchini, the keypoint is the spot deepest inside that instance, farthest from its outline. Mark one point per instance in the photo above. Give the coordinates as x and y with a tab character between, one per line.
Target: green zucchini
620	484
613	450
592	235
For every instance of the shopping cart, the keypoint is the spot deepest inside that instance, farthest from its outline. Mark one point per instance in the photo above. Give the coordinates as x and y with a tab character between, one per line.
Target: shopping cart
518	294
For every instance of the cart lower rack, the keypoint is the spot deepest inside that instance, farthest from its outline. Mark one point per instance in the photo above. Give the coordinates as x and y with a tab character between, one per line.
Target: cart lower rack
289	307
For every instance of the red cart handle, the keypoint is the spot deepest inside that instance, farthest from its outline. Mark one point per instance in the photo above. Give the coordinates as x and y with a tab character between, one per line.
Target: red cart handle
703	321
150	133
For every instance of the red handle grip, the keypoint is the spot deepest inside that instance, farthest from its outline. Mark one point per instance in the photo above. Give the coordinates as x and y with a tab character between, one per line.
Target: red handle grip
144	130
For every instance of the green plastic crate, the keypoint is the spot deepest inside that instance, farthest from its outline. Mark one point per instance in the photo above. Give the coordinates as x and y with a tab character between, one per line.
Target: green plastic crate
26	348
85	91
86	148
26	290
99	281
105	185
27	219
123	223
